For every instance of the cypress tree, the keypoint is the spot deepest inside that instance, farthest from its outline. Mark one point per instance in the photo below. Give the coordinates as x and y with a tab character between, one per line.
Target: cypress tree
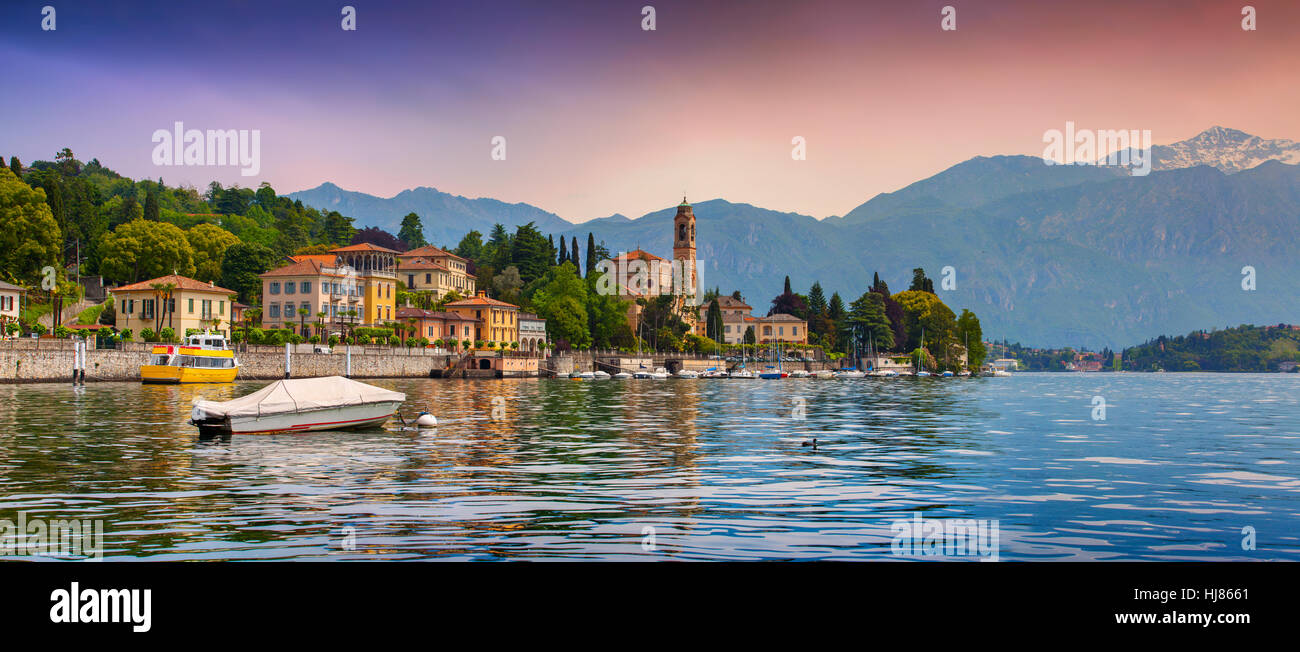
591	253
15	166
575	257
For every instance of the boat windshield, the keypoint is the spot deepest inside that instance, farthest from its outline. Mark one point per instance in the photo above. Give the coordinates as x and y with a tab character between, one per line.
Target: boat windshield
159	359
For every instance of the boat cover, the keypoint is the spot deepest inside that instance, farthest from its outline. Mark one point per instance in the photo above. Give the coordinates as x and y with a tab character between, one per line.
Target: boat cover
299	395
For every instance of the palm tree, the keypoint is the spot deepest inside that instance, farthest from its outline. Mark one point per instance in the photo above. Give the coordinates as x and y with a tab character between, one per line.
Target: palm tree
320	324
302	319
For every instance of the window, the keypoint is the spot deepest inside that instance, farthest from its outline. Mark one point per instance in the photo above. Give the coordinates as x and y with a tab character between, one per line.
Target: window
306	287
289	287
726	329
428	278
274	310
146	308
410	280
275	287
207	308
794	330
305	306
221	307
430	331
191	306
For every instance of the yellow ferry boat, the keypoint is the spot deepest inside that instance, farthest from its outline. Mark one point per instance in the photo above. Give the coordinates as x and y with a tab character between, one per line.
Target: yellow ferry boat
203	358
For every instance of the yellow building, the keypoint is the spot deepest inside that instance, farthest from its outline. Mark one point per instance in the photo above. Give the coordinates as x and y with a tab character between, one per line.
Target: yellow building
494	320
430	269
355	279
178	302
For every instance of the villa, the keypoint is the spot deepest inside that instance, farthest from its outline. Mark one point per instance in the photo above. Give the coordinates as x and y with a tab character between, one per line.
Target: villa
430	269
172	301
492	320
11	299
354	285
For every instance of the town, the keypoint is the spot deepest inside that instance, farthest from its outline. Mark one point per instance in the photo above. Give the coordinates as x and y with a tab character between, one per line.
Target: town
95	255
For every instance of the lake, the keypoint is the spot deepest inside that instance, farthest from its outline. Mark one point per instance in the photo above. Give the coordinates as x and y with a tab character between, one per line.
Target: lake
1170	467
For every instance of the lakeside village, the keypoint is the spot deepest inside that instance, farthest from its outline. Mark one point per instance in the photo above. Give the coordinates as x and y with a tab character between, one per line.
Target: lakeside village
124	264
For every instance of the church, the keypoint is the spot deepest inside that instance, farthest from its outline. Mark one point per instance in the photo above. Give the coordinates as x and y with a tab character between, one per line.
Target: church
640	274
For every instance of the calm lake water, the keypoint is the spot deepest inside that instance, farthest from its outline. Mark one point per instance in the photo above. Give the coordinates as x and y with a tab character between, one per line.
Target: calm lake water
583	470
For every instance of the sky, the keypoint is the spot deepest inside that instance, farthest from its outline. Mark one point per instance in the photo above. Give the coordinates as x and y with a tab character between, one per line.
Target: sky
601	117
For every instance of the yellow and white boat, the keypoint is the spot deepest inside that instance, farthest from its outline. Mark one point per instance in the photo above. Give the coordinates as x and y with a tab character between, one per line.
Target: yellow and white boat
203	358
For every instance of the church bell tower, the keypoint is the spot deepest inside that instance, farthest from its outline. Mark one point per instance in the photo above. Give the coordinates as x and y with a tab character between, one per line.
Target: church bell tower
684	244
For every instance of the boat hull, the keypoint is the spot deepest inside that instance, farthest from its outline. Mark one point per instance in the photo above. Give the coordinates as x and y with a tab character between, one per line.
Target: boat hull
340	418
171	375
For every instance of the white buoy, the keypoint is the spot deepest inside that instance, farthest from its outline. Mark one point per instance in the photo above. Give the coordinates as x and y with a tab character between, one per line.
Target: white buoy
426	420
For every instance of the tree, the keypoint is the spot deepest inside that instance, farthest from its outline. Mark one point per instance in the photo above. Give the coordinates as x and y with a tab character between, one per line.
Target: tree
867	321
151	205
141	249
528	252
920	282
412	232
338	230
970	335
30	239
471	246
209	243
816	300
378	237
507	284
789	303
242	264
713	321
591	254
562	301
923	312
749	335
574	257
16	166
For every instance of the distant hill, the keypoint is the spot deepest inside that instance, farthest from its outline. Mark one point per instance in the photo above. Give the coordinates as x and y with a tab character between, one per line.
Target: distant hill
1063	255
446	217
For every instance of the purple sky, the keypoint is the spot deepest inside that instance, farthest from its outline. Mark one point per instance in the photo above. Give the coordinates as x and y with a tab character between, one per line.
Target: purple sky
602	117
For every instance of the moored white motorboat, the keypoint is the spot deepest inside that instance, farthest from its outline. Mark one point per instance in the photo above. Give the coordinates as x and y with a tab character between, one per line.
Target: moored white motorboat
799	373
688	373
600	375
850	373
299	405
659	373
743	373
824	374
622	374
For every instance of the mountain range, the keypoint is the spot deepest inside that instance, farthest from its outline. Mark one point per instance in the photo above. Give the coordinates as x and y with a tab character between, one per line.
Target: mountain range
1046	255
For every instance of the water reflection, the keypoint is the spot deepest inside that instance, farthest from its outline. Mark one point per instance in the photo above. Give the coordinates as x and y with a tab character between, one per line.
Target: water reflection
528	468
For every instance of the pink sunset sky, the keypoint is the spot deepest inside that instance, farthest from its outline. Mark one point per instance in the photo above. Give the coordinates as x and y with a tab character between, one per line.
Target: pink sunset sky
602	117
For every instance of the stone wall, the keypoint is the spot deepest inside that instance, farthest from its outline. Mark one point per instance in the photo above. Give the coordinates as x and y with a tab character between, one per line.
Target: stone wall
51	361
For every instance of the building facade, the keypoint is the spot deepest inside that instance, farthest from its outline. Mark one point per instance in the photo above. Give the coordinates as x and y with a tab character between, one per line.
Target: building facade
351	286
11	301
178	302
493	320
449	327
430	269
532	333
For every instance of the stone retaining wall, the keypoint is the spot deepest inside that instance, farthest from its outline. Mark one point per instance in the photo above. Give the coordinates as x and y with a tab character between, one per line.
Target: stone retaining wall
54	364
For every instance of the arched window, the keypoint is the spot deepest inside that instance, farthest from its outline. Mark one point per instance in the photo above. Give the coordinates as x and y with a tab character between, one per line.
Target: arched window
681	232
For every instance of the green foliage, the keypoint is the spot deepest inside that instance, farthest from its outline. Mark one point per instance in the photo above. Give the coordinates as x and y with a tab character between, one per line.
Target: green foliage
167	334
412	231
209	244
30	238
970	334
562	302
140	250
240	268
1243	348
